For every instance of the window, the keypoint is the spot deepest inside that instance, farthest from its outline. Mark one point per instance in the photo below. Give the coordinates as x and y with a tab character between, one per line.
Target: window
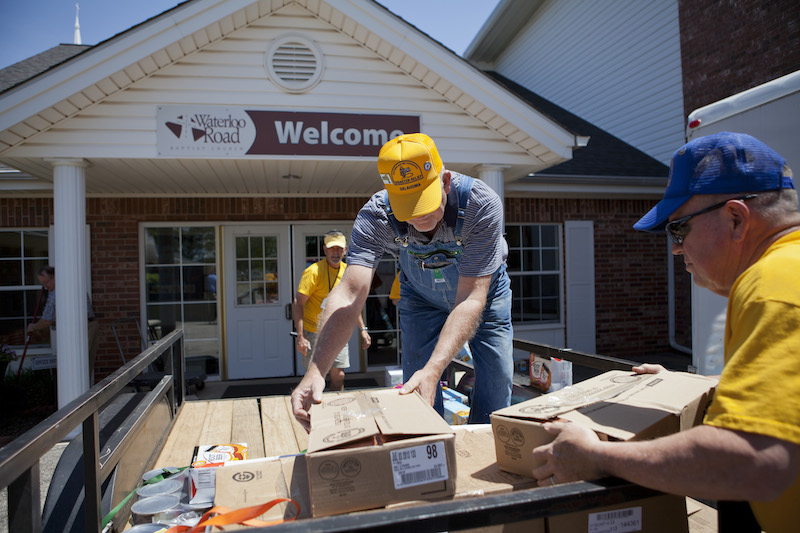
382	319
181	285
22	254
256	270
534	266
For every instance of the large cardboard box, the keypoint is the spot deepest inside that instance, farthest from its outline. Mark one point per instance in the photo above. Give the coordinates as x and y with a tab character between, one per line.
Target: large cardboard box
617	405
255	482
478	472
371	448
660	514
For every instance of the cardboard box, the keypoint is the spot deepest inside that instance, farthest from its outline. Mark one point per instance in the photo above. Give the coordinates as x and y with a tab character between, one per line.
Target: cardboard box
479	475
254	483
617	405
371	448
659	514
702	518
478	472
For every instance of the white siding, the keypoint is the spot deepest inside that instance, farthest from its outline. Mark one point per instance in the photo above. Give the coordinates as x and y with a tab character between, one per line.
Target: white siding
230	72
615	63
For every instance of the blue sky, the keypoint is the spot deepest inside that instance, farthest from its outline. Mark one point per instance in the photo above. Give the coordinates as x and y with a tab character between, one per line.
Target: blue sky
28	27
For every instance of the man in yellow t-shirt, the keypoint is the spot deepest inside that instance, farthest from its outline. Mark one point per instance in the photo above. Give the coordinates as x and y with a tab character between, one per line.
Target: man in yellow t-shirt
309	303
731	210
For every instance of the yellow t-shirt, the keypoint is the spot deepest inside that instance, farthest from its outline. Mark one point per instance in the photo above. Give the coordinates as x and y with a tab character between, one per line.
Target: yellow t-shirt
317	282
394	293
759	389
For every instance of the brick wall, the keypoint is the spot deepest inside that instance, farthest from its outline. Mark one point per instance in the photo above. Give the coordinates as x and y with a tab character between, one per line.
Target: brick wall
630	270
728	46
630	266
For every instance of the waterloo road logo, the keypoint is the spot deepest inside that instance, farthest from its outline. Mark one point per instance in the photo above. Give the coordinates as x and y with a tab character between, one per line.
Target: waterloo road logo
203	131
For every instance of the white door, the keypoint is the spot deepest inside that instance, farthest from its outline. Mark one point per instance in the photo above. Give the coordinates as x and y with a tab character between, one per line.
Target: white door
307	240
258	287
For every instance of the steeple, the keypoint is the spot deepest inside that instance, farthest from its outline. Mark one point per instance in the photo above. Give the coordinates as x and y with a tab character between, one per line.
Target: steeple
77	38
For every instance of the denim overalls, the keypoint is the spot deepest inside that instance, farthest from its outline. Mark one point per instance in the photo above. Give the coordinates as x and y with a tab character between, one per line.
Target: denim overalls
428	283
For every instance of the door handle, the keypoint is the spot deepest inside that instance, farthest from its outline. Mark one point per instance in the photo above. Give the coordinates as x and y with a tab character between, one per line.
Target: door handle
288	311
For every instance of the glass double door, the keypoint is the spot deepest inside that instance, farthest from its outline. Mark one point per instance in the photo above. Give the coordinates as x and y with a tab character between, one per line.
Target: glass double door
263	266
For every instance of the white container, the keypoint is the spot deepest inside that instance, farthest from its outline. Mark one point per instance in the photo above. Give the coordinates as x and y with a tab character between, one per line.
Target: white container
168	486
155	509
146	528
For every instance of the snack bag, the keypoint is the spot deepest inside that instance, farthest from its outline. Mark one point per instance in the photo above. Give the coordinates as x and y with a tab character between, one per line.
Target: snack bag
550	375
203	471
540	373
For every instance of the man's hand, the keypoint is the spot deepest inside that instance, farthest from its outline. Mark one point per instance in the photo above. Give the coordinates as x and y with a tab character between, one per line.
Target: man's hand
308	392
366	340
423	381
649	368
303	345
568	457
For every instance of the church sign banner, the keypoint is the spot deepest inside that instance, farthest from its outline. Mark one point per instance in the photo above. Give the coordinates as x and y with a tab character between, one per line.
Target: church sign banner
221	132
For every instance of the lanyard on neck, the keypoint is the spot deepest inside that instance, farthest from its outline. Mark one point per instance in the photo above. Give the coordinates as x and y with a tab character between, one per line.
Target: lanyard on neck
328	271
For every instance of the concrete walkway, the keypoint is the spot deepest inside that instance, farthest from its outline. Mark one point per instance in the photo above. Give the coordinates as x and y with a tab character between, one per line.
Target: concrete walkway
47	465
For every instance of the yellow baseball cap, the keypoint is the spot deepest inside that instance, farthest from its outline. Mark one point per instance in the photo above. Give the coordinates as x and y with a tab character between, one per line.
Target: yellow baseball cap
335	239
410	166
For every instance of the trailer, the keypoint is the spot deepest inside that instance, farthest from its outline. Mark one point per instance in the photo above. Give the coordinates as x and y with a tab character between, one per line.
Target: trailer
125	434
770	112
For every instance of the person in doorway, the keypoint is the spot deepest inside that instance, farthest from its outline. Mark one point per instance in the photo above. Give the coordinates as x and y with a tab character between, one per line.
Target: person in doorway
317	282
731	210
47	277
447	231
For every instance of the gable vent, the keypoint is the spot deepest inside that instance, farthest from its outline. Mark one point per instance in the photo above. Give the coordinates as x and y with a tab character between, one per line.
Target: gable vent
294	63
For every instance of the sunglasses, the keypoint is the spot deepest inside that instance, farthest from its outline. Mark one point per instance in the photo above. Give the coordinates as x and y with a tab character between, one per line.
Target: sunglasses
677	229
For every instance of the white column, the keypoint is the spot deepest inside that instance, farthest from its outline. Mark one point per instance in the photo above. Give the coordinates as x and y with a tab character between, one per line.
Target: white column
69	206
492	175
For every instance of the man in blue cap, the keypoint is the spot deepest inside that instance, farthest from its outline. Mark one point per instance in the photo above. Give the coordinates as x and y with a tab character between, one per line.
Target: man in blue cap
731	210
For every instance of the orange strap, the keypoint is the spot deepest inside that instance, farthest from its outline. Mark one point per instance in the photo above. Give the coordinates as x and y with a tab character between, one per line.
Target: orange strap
245	515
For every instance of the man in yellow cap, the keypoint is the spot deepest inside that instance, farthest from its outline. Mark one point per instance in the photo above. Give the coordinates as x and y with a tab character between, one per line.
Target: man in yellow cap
312	294
447	231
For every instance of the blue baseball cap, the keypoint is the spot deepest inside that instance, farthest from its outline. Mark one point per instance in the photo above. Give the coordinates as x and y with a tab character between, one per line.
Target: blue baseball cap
716	164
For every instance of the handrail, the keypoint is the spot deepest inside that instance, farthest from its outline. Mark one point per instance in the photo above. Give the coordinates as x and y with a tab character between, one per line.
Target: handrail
19	460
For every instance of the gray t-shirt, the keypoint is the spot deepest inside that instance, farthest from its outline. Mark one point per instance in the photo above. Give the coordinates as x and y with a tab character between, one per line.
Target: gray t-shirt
49	312
485	248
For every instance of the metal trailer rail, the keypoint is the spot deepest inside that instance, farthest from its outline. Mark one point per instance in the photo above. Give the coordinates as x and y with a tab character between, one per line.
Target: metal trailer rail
598	362
479	511
19	460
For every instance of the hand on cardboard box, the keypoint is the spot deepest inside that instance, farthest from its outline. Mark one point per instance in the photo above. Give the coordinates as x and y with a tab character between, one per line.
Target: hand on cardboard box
423	381
565	458
649	368
308	392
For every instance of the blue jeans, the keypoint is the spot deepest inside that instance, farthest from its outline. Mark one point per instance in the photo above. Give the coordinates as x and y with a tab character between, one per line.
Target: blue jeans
421	321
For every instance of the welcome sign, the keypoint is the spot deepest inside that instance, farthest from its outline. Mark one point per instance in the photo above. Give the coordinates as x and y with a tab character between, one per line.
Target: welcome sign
211	131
